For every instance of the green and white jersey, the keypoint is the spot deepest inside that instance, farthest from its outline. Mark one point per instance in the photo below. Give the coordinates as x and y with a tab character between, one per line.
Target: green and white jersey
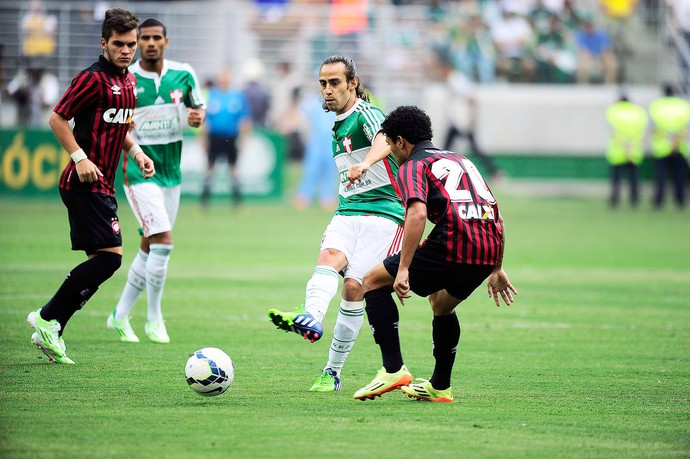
353	134
160	118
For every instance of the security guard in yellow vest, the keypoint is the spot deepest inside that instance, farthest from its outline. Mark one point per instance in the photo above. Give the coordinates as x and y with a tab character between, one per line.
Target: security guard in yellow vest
628	123
671	118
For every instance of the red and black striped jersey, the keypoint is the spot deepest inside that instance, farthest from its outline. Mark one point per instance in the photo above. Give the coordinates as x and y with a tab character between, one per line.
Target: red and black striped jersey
458	202
101	100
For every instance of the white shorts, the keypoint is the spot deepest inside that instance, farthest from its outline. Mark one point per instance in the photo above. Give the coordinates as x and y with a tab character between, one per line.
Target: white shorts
364	239
155	207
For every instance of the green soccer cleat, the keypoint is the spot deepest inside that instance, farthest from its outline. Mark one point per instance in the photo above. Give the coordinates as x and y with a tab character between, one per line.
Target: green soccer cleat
54	358
298	321
155	329
384	382
425	391
327	382
48	331
123	328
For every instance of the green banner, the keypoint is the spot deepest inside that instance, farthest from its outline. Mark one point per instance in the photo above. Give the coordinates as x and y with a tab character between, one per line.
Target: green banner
31	162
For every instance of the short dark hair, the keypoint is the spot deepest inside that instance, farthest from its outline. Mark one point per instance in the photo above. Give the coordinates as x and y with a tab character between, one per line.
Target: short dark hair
153	23
350	74
409	122
118	20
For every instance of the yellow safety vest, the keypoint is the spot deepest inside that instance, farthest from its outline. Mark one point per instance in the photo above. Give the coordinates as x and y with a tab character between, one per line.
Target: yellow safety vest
671	117
628	125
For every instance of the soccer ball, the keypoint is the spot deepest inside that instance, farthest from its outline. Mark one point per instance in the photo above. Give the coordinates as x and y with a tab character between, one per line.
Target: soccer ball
209	371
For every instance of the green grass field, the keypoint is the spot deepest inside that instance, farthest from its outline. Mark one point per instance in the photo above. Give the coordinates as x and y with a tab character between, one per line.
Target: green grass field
593	361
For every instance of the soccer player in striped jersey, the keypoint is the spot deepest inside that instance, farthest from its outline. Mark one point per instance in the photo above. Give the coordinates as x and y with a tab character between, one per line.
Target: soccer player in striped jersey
366	226
101	101
169	96
464	248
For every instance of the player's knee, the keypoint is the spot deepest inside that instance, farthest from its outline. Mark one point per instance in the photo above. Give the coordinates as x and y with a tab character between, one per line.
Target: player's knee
352	290
107	264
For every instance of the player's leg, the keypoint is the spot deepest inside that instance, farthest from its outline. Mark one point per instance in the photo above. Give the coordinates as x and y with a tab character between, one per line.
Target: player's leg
215	146
94	228
446	329
164	211
383	317
376	238
233	155
336	246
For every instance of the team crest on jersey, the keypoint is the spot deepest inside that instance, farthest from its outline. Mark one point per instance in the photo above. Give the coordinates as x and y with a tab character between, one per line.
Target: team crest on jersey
116	90
176	96
347	144
115	224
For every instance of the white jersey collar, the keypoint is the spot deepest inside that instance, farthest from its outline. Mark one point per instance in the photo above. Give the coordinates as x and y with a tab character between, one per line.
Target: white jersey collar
342	116
147	74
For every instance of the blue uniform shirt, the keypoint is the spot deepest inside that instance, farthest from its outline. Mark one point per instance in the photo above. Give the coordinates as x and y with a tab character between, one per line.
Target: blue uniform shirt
226	110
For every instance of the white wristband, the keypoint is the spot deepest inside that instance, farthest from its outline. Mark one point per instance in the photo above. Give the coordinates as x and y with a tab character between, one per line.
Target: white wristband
134	151
78	156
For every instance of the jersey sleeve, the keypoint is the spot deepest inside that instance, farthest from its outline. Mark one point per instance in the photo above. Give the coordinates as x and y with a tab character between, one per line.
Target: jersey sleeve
194	98
369	122
412	182
81	93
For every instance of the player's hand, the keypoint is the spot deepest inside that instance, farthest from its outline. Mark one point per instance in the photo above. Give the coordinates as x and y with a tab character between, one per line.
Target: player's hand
356	173
132	126
88	172
499	284
145	165
402	285
196	117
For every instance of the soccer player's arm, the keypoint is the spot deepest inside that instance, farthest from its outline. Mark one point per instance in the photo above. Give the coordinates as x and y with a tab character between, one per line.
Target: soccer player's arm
196	107
86	170
137	154
498	282
379	150
413	229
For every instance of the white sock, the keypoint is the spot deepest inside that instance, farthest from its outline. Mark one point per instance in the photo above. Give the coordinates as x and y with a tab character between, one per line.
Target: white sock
347	325
136	283
156	271
321	289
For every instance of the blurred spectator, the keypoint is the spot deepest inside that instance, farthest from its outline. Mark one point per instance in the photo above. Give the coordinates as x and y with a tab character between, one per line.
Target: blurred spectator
555	54
38	29
35	91
618	14
461	104
319	173
258	96
628	123
472	48
284	109
671	117
228	121
594	52
679	18
513	40
347	22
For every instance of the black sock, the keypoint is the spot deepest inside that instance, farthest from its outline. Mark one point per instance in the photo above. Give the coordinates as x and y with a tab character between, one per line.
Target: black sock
383	317
446	336
79	286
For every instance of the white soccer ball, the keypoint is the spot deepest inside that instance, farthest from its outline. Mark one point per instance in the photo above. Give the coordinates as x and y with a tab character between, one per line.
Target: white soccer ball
209	371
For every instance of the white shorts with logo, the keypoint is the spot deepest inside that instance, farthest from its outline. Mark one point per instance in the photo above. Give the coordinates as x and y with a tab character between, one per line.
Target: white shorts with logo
364	239
155	207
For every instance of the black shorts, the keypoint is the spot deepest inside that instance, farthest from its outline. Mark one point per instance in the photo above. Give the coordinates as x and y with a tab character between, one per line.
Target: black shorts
222	146
429	274
93	220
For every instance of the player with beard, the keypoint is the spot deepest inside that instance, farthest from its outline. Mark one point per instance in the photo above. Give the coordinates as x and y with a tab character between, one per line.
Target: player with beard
366	225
